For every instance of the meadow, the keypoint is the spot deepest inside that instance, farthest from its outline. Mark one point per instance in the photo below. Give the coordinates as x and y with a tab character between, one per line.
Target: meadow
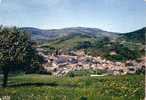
45	87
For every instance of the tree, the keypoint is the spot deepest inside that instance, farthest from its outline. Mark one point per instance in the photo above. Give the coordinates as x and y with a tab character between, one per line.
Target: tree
15	50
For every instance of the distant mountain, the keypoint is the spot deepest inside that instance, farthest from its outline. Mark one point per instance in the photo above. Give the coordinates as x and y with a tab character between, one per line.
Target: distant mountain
69	33
59	33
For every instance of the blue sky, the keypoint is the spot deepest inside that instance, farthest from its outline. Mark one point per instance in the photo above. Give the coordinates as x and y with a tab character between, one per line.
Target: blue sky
110	15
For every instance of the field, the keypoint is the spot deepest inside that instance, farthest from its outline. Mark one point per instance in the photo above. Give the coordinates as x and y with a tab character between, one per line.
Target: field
44	87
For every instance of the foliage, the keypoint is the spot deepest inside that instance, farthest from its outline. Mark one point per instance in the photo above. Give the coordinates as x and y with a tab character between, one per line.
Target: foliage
15	50
15	47
136	36
86	72
36	64
141	70
115	57
126	52
84	45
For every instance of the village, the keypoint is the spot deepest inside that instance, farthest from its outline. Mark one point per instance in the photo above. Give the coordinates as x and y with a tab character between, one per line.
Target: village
62	64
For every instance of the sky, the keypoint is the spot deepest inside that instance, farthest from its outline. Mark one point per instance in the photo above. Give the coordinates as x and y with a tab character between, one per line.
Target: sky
109	15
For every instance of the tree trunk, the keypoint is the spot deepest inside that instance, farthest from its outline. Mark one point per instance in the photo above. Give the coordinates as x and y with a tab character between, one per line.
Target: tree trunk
5	76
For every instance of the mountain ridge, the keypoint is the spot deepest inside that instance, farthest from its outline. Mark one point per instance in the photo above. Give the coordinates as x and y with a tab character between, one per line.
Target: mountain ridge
58	33
68	33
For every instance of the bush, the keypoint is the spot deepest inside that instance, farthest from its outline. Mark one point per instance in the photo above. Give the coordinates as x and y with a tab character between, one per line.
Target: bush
141	70
85	72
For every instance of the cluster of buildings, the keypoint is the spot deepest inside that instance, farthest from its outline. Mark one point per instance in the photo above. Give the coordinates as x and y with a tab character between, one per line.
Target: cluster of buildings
64	63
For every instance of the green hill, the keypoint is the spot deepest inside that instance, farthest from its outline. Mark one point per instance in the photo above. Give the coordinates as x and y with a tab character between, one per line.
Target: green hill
92	40
70	41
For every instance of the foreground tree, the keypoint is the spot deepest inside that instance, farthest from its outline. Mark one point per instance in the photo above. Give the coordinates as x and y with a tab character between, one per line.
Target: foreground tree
15	50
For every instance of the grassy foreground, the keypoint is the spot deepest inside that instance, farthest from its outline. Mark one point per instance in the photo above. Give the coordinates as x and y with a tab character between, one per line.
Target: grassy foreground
44	87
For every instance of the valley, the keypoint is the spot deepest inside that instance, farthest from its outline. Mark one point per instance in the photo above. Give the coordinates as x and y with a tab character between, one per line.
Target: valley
81	48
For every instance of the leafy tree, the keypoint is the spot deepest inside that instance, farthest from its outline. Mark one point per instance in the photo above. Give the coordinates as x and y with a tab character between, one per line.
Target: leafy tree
15	50
117	57
36	64
126	52
85	44
141	70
